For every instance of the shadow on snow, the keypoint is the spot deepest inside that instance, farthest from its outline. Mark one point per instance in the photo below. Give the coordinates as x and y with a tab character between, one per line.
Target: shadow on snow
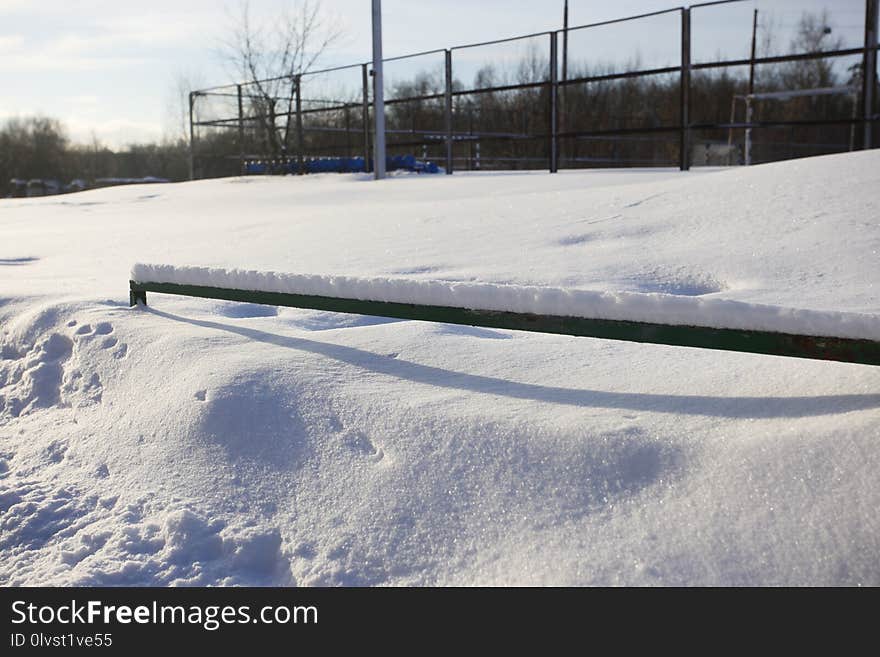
730	407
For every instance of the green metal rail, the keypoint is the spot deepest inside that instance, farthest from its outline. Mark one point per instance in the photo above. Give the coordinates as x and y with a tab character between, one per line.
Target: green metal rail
846	350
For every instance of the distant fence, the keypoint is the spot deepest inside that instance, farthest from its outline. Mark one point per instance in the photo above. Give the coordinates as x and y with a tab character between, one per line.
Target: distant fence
549	100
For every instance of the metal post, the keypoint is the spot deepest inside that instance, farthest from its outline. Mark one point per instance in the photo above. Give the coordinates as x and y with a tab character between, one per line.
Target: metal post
470	159
684	112
869	70
347	112
192	138
747	145
241	167
290	105
554	93
732	119
136	296
366	117
448	111
565	42
854	97
378	94
300	142
754	47
747	156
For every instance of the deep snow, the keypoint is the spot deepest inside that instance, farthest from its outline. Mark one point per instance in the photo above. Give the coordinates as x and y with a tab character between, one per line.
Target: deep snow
208	442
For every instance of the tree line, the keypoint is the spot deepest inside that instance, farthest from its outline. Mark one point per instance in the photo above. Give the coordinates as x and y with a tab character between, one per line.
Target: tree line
38	147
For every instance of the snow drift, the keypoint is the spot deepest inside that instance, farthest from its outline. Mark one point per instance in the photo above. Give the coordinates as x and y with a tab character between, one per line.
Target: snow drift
206	442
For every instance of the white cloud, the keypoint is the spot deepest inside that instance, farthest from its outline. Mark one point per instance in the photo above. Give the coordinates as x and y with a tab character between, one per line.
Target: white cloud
115	133
82	101
11	43
50	61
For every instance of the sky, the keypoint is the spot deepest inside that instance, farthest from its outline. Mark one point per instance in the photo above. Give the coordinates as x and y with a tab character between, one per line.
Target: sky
109	69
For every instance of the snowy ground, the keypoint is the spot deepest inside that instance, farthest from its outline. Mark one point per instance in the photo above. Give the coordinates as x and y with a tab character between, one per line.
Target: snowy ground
206	442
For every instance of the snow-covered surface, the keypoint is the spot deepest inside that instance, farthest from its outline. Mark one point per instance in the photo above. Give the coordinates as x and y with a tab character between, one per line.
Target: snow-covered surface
207	442
620	306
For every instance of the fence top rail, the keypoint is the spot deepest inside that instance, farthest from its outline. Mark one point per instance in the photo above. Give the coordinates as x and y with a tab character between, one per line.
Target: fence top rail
207	90
435	51
333	69
225	94
717	2
649	14
494	42
289	76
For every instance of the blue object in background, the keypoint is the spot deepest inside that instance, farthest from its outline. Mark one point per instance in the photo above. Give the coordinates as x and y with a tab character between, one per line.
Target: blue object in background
337	165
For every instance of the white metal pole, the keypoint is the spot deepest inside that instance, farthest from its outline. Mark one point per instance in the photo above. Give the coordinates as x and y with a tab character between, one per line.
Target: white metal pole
378	94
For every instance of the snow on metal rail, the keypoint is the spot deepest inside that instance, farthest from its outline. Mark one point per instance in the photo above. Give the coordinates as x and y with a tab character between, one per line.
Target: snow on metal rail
635	317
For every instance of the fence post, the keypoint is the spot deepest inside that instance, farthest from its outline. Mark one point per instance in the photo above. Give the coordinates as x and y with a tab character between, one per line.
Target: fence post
747	144
869	70
347	112
365	113
565	42
241	167
192	138
288	119
684	112
379	151
447	112
300	145
554	94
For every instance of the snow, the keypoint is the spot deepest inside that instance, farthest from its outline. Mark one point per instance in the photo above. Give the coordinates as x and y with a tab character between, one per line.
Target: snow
207	442
621	306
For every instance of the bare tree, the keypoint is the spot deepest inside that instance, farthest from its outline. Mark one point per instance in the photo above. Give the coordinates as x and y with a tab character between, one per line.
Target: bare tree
814	35
177	104
269	55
